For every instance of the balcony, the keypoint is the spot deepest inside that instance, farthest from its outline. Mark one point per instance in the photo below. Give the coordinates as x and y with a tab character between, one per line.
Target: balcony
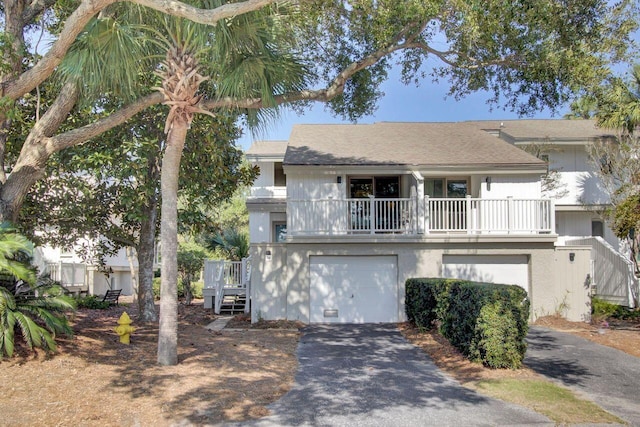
271	192
419	216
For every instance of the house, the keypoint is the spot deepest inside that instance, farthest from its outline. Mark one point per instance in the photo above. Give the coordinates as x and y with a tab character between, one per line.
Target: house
78	276
342	215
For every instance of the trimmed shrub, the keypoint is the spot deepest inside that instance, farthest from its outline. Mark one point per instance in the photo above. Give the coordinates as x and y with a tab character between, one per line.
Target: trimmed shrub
196	289
92	302
485	321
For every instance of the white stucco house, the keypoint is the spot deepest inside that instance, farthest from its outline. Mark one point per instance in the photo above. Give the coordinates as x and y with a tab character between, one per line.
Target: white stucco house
342	215
66	267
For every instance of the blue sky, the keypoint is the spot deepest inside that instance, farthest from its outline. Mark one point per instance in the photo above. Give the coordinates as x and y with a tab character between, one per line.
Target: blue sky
425	103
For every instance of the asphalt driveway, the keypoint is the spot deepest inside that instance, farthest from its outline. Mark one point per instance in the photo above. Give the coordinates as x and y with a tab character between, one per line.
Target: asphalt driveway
605	375
369	375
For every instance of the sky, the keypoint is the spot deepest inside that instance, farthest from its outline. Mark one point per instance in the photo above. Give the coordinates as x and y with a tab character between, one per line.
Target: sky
400	103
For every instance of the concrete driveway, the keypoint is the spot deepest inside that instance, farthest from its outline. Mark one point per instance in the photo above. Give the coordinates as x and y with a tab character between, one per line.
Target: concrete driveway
369	375
605	375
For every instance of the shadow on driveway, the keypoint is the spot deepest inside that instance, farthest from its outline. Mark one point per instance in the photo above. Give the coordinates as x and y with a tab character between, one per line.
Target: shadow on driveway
370	375
609	377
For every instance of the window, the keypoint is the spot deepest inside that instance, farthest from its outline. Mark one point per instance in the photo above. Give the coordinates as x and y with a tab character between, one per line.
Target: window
279	178
597	228
382	187
279	231
455	188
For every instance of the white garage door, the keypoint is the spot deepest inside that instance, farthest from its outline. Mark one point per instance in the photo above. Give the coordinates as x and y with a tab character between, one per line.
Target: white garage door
353	289
505	269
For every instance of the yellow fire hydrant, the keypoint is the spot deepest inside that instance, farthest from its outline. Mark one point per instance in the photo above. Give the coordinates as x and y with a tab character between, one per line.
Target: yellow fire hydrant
124	328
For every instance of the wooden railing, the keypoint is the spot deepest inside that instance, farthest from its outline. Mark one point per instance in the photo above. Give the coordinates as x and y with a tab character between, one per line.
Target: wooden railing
227	277
411	216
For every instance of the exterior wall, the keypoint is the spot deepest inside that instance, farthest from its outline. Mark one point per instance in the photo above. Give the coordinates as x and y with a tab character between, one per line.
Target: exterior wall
577	175
519	187
572	224
318	187
265	179
259	227
268	282
281	288
569	296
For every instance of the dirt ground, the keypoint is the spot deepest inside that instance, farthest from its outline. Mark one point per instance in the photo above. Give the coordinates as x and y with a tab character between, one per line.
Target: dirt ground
95	380
222	376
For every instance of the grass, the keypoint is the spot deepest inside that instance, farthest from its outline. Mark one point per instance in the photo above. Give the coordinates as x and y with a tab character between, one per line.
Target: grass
557	403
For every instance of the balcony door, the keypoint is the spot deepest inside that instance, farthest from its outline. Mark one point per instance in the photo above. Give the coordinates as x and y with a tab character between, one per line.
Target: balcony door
447	214
380	187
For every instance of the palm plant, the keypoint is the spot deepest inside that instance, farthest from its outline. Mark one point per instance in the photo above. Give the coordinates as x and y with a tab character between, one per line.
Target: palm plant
232	242
35	310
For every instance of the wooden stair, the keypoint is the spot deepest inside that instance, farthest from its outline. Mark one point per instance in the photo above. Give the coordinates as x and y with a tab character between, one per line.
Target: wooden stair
233	304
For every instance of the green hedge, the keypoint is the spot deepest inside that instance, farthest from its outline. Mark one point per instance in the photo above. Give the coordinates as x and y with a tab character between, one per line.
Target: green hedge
196	288
487	322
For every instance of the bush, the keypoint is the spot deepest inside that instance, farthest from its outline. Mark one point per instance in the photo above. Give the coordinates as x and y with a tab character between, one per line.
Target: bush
196	289
92	302
601	310
486	322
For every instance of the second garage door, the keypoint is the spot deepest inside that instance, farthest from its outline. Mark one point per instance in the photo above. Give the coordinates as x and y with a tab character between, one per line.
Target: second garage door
504	269
353	289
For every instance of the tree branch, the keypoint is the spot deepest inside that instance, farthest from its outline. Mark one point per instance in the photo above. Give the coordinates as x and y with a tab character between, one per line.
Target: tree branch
27	81
85	133
35	8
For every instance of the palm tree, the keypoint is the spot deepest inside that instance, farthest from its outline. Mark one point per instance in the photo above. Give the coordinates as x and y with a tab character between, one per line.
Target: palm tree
234	243
619	104
244	54
243	57
35	310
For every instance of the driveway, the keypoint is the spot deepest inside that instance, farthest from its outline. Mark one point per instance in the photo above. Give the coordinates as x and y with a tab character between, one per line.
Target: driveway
369	375
605	375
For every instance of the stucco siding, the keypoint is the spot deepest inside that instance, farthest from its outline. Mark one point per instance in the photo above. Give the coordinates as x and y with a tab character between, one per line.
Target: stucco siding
548	288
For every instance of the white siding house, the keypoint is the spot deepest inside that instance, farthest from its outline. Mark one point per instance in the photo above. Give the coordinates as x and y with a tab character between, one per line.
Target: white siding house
362	208
78	276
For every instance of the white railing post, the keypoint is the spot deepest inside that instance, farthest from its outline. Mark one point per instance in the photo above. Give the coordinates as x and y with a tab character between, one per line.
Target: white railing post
510	214
426	218
552	215
468	213
372	215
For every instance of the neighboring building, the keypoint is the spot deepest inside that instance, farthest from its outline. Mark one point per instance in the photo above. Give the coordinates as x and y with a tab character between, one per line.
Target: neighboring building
342	215
80	277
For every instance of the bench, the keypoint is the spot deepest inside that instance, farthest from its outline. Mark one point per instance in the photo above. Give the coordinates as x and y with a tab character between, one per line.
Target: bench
112	296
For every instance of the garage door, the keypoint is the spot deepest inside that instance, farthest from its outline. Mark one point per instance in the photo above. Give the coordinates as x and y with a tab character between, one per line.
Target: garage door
353	289
505	269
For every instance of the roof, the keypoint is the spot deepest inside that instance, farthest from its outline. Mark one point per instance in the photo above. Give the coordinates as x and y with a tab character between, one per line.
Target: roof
420	144
265	149
547	130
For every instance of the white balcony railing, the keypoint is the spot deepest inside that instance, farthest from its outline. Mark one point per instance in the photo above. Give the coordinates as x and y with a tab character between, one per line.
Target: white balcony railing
411	216
271	192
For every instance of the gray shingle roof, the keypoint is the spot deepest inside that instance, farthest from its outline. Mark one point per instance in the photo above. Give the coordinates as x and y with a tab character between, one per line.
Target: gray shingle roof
267	148
552	130
420	144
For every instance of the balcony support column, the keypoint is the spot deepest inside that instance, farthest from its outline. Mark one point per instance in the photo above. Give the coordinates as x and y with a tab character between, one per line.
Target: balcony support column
419	212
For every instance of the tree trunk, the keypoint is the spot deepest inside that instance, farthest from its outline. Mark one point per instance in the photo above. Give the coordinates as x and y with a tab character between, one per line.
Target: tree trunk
168	331
146	252
131	253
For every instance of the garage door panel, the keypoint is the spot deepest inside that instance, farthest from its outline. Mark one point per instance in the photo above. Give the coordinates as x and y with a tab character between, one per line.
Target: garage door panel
351	289
504	269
